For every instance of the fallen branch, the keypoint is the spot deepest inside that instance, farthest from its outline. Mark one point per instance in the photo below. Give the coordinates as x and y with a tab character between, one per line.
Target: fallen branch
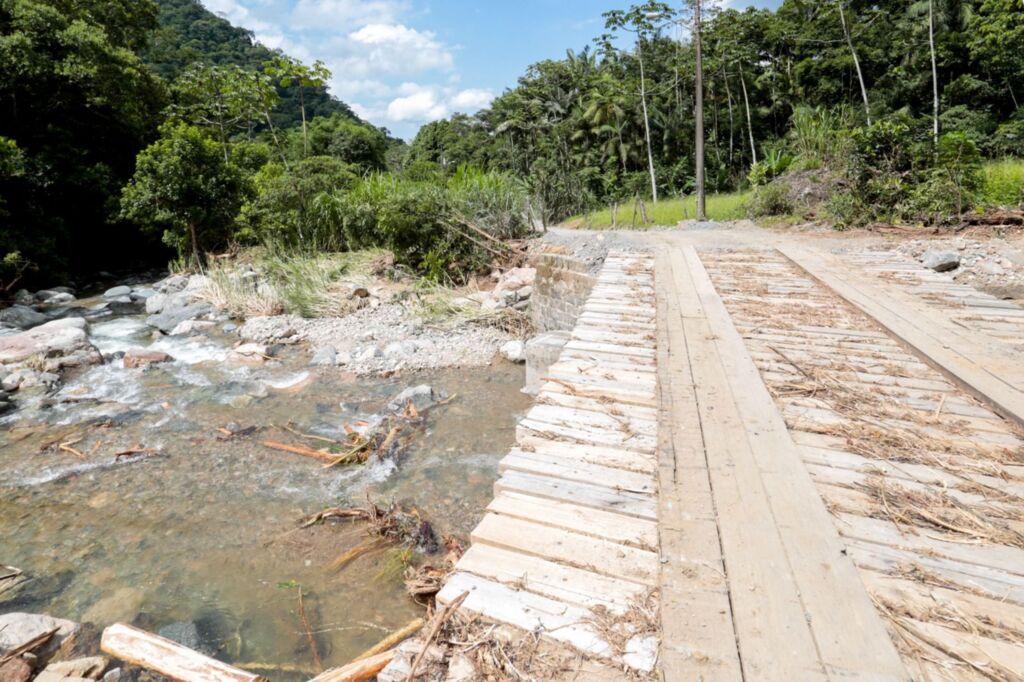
439	621
300	450
135	451
309	634
392	640
66	447
170	659
357	671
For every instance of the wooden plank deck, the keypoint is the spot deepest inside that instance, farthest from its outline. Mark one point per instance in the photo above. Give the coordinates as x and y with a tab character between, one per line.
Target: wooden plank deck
570	542
928	510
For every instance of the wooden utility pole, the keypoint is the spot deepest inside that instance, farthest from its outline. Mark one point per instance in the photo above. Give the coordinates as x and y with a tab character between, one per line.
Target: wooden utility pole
935	72
699	114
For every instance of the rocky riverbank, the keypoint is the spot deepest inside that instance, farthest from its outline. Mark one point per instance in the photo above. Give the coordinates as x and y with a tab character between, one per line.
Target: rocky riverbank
389	327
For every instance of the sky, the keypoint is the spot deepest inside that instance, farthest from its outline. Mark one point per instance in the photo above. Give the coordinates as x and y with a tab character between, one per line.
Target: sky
402	63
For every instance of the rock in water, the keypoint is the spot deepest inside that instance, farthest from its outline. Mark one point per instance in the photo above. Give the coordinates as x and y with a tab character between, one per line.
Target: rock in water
117	292
514	351
90	668
184	633
21	316
422	397
144	358
174	314
941	261
325	356
63	339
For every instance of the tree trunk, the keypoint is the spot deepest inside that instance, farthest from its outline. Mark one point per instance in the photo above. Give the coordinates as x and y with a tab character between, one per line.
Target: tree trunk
699	115
728	95
305	137
223	141
196	260
277	142
647	125
856	62
750	123
935	72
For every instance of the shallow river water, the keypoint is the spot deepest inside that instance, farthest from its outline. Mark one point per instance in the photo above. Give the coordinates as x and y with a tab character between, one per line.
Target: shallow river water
199	537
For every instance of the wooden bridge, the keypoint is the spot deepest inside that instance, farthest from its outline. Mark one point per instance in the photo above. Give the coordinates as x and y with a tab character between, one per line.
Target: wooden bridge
769	464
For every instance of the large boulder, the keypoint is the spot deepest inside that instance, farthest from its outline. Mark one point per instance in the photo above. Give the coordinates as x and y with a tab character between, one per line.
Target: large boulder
18	628
21	317
65	340
941	261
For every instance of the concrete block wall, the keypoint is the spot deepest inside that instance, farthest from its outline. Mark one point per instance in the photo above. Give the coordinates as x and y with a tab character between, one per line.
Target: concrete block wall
562	286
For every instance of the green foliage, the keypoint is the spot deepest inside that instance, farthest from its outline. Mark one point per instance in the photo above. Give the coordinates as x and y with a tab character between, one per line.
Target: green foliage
78	104
775	163
817	135
771	200
284	210
730	206
351	142
977	124
1008	139
188	34
1002	183
185	189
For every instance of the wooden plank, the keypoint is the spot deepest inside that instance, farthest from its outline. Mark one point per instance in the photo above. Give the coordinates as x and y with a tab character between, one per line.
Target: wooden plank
976	362
641	533
583	434
543	465
170	659
626	502
847	632
590	454
530	612
698	638
553	580
586	552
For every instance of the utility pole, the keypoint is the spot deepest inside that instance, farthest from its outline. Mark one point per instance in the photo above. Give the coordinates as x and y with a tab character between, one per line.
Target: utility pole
935	73
699	114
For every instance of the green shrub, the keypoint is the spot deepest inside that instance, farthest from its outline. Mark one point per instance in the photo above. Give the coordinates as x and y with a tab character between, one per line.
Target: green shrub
284	210
1002	183
1008	140
977	124
771	200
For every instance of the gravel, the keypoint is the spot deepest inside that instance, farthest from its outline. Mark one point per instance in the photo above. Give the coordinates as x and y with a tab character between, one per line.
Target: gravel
993	266
386	338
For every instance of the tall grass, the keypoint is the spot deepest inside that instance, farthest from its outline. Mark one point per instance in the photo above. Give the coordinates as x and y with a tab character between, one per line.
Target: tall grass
816	135
296	283
1002	183
669	212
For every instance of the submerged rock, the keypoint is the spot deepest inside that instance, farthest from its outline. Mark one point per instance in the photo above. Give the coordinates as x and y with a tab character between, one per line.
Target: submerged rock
326	356
175	312
421	397
117	292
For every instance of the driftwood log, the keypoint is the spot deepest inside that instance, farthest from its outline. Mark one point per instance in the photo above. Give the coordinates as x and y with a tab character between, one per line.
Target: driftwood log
168	658
357	671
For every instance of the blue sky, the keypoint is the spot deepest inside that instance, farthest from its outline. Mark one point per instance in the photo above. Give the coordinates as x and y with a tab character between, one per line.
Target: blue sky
402	63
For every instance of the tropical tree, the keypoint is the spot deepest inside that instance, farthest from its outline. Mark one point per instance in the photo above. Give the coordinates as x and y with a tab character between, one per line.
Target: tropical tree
290	72
184	189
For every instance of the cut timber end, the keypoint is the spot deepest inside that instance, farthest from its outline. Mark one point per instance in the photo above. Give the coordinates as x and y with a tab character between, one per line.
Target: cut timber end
168	658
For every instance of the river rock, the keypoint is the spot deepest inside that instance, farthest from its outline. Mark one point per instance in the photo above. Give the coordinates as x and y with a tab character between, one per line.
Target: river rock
117	292
144	358
250	353
90	668
514	351
21	317
24	297
172	284
16	670
516	279
190	327
184	633
65	341
325	356
18	628
143	294
941	261
174	313
60	298
421	397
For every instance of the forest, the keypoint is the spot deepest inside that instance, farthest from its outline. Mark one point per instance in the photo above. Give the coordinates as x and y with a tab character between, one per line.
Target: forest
135	130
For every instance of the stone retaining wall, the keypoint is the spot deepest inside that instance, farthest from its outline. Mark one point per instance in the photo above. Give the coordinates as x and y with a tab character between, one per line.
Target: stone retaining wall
562	286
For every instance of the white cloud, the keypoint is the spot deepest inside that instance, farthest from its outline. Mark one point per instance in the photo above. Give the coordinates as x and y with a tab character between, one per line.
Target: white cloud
472	100
423	106
341	15
395	49
345	87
